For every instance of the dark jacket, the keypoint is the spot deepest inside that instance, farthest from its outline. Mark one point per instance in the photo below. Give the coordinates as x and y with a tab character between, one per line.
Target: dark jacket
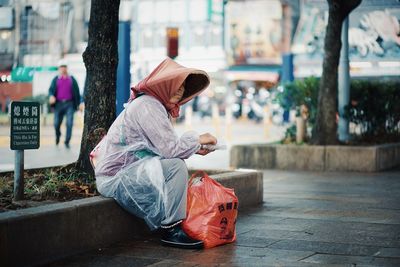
76	97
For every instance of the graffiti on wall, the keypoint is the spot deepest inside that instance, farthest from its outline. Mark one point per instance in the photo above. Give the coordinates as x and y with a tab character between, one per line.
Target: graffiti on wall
374	35
378	34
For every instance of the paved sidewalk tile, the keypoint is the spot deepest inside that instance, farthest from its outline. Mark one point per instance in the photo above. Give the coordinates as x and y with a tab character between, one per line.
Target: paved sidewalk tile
307	219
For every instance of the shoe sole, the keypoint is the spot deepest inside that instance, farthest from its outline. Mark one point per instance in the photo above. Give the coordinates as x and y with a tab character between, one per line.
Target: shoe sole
197	245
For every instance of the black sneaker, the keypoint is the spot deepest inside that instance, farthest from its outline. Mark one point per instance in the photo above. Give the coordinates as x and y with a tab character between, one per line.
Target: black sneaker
57	140
176	237
67	145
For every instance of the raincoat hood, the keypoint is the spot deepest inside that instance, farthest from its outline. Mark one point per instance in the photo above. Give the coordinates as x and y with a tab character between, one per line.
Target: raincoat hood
164	81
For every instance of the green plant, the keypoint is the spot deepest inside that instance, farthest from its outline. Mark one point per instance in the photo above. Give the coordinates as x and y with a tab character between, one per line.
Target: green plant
375	108
51	183
295	95
290	135
298	93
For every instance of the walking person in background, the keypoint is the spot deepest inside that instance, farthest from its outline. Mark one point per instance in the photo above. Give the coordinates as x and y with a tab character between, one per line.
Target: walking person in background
64	96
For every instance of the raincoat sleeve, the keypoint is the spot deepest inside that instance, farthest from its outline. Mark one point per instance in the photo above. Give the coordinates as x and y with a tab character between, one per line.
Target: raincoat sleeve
159	131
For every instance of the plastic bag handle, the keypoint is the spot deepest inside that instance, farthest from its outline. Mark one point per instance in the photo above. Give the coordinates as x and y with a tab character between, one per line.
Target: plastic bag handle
202	174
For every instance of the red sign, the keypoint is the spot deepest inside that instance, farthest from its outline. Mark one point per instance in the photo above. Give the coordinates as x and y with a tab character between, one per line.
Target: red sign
172	42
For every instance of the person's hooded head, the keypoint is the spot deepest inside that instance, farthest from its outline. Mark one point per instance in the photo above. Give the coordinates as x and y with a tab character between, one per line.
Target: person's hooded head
165	84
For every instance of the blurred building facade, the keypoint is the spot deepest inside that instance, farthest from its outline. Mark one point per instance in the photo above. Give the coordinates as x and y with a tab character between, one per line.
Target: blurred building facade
374	39
200	28
34	36
234	41
7	26
241	43
42	31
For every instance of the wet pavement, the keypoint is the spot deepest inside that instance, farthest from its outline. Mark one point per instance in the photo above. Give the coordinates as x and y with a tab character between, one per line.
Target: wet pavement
307	219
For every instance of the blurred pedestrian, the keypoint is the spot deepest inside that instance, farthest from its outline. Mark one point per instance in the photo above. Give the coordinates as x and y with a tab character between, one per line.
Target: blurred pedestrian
64	96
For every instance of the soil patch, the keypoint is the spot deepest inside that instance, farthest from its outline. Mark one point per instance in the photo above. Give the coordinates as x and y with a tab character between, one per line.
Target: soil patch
46	185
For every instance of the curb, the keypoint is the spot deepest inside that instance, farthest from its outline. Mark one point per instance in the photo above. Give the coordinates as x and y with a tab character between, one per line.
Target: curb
43	234
316	158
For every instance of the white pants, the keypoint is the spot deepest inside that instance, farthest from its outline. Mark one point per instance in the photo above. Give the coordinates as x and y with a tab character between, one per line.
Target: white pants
175	189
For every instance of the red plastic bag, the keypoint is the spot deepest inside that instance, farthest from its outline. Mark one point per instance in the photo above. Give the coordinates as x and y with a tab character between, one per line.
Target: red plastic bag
211	211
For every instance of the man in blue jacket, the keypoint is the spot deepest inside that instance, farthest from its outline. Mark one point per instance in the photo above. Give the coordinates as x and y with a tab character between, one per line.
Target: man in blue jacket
65	97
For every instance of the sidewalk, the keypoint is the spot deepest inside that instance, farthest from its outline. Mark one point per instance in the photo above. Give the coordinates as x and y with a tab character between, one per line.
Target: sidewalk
307	219
51	155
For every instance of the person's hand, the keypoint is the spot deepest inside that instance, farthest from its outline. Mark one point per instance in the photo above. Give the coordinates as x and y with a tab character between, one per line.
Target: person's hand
81	107
52	100
206	139
203	152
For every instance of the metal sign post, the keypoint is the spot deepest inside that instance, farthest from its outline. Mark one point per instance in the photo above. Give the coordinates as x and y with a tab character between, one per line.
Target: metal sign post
19	175
124	65
25	134
344	84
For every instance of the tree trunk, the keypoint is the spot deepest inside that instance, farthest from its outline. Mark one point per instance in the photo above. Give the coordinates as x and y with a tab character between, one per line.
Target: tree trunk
326	125
101	60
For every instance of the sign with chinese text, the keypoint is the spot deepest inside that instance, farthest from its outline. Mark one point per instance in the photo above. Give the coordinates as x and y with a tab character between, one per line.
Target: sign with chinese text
25	125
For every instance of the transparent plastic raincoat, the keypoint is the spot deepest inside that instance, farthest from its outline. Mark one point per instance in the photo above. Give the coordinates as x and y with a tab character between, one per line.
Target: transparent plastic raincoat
128	166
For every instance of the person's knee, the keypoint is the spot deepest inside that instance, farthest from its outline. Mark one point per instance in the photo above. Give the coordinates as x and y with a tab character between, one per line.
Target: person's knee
174	169
56	122
179	168
70	119
179	164
181	175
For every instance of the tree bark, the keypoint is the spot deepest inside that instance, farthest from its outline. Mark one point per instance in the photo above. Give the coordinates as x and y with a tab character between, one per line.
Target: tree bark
325	131
101	60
